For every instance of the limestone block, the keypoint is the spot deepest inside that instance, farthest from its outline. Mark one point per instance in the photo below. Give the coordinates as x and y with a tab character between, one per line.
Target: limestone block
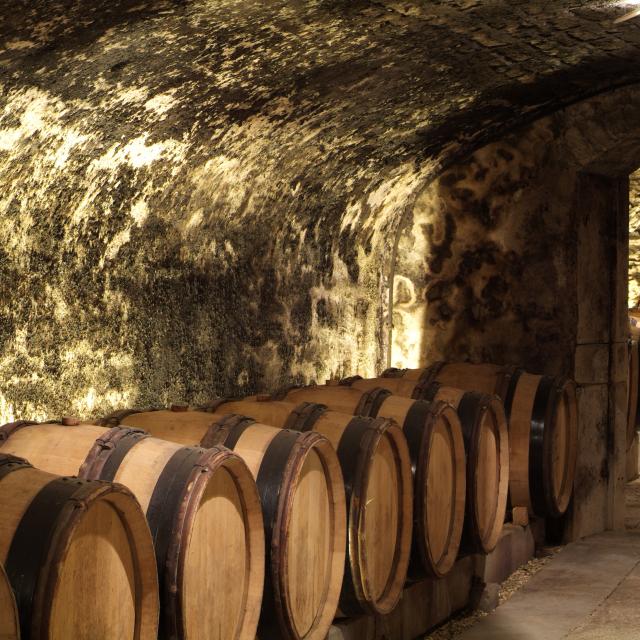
364	628
520	516
619	362
632	460
489	597
592	363
515	547
590	488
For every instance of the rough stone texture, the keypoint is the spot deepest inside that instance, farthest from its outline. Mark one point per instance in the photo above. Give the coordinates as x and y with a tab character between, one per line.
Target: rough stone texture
488	258
634	240
519	256
202	196
632	499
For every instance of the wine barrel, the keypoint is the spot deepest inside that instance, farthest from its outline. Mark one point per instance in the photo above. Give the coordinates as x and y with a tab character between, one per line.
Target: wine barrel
487	378
486	439
375	464
485	431
202	507
543	429
78	556
437	454
303	501
9	623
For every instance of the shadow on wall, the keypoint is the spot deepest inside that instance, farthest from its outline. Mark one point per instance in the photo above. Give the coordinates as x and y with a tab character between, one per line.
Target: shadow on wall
205	201
634	240
486	267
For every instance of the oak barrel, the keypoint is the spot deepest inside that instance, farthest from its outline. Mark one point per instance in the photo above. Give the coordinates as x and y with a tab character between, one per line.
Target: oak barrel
436	448
485	431
302	491
78	556
9	623
375	463
202	507
487	378
543	429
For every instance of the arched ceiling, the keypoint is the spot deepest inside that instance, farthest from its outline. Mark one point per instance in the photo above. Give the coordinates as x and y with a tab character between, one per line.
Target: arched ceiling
201	196
409	76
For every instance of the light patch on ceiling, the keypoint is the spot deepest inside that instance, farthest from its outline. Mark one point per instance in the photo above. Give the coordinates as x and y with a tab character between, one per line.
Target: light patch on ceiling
631	14
19	45
137	153
34	106
132	95
117	242
161	103
7	411
70	140
195	219
139	211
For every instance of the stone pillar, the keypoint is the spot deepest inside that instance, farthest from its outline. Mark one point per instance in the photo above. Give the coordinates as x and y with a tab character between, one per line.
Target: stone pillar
601	366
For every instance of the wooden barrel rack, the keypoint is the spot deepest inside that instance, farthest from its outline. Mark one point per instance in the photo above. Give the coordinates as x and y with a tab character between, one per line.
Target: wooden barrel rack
543	427
485	431
302	492
436	448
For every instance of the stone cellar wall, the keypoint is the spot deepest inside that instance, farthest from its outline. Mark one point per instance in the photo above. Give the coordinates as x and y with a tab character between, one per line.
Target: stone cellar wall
202	198
634	240
487	263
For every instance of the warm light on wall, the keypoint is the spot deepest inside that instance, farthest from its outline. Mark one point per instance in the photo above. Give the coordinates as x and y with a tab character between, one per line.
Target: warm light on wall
632	14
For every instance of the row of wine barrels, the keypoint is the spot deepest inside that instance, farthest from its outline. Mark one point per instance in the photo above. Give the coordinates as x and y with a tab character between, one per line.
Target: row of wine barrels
9	623
301	488
78	557
437	455
484	429
485	432
543	427
376	468
202	508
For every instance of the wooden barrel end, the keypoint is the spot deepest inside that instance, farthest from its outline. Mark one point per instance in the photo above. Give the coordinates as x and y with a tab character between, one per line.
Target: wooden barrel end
64	539
440	485
380	514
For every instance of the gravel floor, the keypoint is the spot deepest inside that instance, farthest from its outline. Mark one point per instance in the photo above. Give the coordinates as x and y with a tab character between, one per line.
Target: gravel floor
468	617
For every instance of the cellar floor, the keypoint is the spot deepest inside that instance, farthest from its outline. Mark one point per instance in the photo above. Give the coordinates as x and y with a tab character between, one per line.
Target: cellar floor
588	591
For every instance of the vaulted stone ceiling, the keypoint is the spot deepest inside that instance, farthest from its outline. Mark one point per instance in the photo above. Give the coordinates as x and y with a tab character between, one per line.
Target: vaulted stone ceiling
201	196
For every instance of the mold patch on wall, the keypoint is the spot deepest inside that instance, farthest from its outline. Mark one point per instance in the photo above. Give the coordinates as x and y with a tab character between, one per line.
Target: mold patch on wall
201	197
163	241
634	240
486	267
